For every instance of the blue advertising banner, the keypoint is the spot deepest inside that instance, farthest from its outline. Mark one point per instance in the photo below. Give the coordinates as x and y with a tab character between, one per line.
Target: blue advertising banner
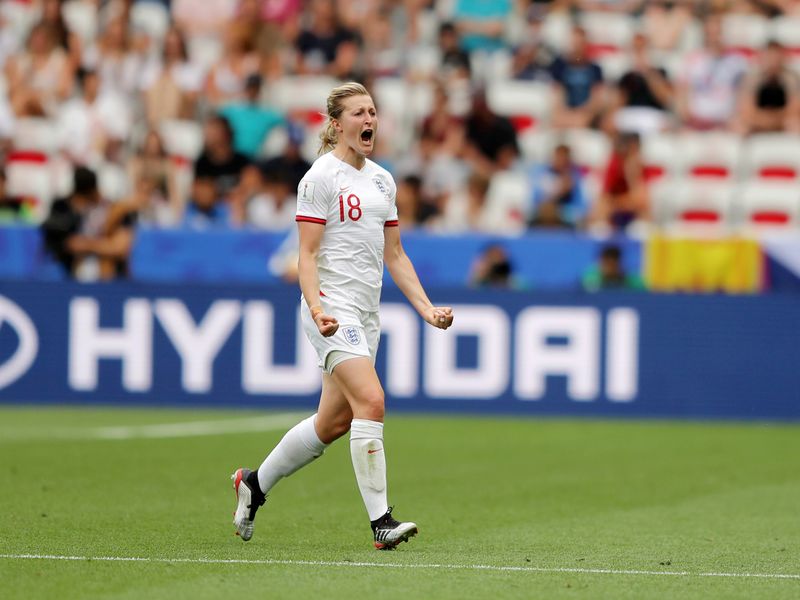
615	355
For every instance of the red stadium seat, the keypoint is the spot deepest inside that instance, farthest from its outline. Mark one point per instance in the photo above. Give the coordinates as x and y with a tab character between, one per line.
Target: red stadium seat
772	156
526	103
768	206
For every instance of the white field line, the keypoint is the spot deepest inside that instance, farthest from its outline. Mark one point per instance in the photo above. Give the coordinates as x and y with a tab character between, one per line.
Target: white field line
432	566
160	430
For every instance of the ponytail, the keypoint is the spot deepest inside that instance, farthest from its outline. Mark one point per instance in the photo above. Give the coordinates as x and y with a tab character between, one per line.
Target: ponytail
328	136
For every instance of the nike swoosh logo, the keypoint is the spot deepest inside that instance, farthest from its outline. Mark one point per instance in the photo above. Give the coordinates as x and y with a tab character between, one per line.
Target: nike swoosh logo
374	451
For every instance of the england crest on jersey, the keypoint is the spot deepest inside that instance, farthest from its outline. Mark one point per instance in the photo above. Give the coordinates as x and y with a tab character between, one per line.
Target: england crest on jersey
351	335
383	185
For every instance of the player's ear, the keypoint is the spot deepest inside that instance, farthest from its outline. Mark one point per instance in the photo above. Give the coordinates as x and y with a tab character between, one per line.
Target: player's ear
336	125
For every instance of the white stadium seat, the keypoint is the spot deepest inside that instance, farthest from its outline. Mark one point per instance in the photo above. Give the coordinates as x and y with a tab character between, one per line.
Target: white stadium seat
536	145
204	50
556	31
769	206
528	103
182	138
745	33
506	203
31	180
112	182
786	31
694	206
608	32
300	93
405	101
713	155
34	134
150	17
660	153
591	149
80	17
772	156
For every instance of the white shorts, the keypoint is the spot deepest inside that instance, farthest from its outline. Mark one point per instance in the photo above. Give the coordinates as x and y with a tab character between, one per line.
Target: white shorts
358	335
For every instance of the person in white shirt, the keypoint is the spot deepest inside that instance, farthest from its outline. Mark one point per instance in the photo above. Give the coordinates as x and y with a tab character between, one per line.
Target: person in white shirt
347	223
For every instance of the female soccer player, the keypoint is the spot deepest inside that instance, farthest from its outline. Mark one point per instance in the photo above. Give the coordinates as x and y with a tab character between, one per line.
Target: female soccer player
347	222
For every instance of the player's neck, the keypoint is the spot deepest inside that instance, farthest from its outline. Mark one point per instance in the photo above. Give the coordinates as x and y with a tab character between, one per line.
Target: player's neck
346	154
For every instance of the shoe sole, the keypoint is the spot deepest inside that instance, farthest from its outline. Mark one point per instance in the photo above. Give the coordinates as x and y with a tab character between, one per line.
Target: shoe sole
404	537
241	520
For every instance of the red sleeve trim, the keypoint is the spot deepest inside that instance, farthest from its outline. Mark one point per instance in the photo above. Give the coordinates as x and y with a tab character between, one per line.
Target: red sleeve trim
394	223
310	219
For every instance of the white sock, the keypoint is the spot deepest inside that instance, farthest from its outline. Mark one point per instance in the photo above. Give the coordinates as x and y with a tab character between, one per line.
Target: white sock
369	463
296	449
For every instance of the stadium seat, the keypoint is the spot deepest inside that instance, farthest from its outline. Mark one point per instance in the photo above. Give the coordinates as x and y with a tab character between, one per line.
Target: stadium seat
35	135
536	145
81	18
556	30
786	31
609	33
150	17
772	156
302	97
712	155
182	138
404	101
526	103
693	206
768	206
506	203
745	34
18	18
590	149
112	181
661	156
614	66
204	50
31	180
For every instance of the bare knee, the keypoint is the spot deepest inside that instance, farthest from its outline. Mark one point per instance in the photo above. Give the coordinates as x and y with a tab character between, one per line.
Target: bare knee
331	430
370	406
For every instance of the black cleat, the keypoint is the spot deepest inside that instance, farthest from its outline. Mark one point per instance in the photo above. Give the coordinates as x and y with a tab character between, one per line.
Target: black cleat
389	532
249	498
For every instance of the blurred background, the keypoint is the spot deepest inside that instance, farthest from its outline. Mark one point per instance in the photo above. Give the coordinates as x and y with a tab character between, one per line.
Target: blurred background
610	187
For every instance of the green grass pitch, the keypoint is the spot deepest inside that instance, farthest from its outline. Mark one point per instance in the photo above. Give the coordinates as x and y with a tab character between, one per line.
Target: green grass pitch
545	508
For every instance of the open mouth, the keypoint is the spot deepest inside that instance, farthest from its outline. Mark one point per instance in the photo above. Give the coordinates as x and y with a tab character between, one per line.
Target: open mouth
366	136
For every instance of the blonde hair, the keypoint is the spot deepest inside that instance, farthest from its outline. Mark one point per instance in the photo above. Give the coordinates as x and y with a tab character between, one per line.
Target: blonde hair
335	106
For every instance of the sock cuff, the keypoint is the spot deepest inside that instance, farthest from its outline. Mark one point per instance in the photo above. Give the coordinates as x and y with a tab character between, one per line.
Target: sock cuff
309	435
364	429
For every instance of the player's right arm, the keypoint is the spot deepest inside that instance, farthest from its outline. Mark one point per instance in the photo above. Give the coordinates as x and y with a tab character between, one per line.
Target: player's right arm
308	275
312	213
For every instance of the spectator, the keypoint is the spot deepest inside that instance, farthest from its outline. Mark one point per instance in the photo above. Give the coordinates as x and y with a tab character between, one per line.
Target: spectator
624	198
481	23
66	40
454	59
251	122
219	159
617	6
643	95
665	23
532	61
291	163
493	269
12	208
383	55
93	125
41	76
206	209
770	95
171	82
578	90
491	141
151	163
326	47
272	206
559	198
412	207
226	81
610	274
465	210
709	80
72	231
441	125
116	58
203	20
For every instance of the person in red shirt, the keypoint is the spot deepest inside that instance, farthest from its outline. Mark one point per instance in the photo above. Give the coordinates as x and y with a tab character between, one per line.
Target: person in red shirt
623	199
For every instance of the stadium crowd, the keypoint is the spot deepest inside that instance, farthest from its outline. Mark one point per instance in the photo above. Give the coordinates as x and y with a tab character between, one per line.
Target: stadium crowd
496	115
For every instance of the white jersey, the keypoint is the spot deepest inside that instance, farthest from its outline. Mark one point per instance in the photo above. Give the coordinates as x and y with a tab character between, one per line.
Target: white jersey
354	206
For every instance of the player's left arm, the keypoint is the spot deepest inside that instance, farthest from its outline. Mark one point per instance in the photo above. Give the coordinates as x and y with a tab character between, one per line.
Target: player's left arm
404	275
